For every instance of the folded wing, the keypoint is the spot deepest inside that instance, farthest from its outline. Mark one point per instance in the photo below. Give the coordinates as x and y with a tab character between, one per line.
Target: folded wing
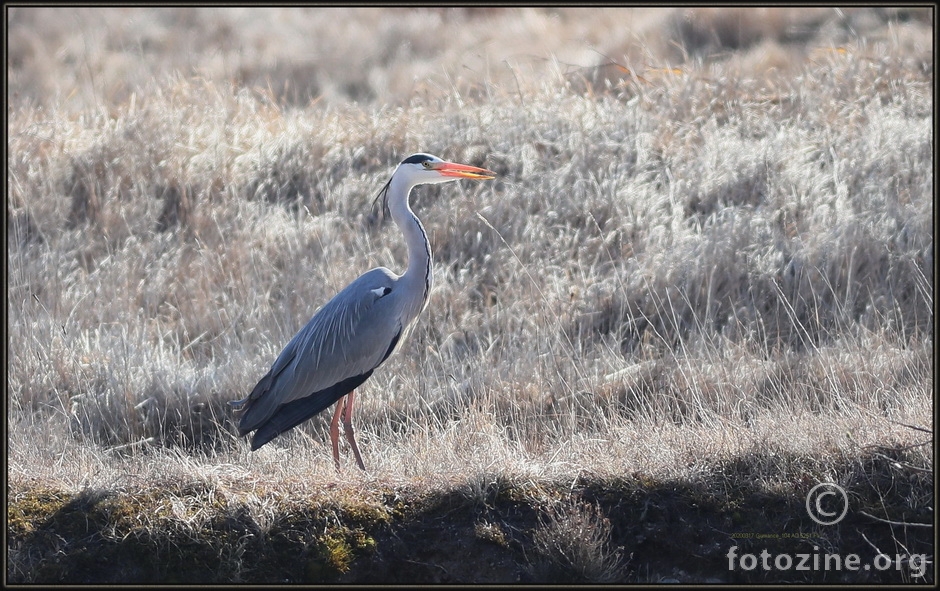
334	353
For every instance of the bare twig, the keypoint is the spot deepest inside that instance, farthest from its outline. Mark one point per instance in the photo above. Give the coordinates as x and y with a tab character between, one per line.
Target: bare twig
905	465
888	521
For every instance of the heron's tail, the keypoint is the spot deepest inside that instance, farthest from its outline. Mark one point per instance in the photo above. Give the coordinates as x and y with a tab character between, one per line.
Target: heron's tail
238	404
293	413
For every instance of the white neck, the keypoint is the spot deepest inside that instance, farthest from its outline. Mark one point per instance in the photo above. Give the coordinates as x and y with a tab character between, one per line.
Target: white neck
418	275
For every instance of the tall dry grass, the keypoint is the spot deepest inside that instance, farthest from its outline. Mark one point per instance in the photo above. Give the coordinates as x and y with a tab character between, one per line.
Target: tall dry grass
711	233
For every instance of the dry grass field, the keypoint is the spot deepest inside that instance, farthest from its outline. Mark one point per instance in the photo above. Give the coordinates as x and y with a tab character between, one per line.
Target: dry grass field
701	284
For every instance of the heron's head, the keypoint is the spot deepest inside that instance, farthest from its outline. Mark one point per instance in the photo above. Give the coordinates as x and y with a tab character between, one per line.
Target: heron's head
425	169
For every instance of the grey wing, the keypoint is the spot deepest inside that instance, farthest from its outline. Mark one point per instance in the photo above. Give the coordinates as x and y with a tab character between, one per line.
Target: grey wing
349	336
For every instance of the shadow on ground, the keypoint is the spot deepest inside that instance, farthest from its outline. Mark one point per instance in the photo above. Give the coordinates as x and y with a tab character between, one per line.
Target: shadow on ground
730	526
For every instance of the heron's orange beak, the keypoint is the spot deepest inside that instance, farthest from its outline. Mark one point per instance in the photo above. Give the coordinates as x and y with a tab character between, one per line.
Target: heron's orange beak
464	171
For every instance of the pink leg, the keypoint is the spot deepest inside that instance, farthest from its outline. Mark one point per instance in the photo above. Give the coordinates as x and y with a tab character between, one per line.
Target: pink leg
348	428
334	429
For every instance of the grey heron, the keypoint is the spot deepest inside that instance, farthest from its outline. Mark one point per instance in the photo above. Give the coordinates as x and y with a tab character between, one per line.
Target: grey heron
356	331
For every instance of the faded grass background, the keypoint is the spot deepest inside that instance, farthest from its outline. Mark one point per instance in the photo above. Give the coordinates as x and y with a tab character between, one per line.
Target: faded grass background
711	238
